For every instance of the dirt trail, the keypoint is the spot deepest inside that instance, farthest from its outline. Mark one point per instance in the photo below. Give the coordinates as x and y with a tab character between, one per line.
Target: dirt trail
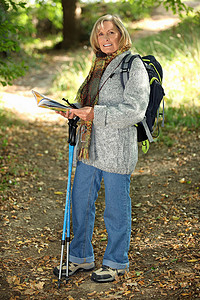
164	251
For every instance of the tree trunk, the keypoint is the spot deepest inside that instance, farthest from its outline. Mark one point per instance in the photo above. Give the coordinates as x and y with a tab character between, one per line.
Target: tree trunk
70	34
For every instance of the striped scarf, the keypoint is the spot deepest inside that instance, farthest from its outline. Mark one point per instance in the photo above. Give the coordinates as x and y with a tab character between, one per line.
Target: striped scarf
88	95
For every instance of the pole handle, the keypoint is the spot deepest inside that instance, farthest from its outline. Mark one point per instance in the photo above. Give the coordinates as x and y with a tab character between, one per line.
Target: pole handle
72	131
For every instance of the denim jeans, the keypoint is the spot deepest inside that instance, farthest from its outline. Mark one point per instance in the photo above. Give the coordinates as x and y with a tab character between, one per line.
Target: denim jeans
117	215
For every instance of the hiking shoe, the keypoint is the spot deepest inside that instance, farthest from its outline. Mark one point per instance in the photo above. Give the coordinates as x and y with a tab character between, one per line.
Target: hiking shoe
73	268
106	274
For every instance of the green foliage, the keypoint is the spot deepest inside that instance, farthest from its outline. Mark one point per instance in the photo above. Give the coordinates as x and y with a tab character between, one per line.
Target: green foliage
25	20
9	4
10	71
177	6
51	10
9	43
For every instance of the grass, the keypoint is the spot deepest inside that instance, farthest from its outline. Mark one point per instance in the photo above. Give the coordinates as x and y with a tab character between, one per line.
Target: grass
178	50
183	118
8	119
186	117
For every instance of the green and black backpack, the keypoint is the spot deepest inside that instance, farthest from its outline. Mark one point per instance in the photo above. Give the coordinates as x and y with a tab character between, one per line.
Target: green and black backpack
147	127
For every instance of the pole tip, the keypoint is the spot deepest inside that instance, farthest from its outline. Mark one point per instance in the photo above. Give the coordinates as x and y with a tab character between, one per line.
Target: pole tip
59	283
67	279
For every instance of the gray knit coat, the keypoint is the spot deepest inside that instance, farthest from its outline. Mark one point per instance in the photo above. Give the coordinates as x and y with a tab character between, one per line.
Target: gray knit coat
114	145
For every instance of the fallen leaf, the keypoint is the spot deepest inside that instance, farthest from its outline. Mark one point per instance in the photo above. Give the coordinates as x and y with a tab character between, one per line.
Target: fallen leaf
40	270
182	180
29	292
92	294
40	285
138	273
126	293
193	260
138	205
39	154
58	193
175	218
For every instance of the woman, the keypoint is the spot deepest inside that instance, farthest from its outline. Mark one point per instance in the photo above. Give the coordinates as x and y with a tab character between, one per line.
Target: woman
106	148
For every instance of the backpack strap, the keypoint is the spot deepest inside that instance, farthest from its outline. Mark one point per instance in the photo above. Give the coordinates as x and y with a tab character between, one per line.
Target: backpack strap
163	119
163	114
125	68
148	133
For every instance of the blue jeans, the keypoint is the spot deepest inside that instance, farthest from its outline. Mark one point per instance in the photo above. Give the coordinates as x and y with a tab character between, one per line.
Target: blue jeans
117	215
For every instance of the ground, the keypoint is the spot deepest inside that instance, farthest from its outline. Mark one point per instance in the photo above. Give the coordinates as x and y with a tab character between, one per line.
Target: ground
164	250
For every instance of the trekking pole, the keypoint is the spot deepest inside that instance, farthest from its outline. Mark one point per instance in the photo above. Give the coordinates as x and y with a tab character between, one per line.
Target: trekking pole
66	224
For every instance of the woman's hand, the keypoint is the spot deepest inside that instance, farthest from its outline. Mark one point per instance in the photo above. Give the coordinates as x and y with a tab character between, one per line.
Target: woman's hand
85	113
68	114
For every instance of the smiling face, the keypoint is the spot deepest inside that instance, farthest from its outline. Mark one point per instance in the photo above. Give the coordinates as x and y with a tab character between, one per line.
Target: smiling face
108	37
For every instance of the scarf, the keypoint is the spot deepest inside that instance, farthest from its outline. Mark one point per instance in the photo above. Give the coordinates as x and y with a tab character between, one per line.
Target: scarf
88	95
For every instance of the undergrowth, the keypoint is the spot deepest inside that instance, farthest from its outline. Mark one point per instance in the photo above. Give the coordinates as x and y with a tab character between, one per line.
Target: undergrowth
178	50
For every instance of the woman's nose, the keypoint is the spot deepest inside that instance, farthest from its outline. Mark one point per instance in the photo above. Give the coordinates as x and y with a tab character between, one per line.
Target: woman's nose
107	37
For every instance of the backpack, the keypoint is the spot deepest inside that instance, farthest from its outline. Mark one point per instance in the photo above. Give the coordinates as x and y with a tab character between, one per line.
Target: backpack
146	128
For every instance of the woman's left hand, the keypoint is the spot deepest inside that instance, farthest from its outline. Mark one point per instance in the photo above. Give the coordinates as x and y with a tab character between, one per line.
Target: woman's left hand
85	113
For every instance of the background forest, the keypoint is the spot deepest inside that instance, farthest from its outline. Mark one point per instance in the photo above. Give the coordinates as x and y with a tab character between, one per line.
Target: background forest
29	28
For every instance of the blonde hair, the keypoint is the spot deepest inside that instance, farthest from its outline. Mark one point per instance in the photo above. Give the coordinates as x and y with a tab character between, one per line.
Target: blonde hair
125	37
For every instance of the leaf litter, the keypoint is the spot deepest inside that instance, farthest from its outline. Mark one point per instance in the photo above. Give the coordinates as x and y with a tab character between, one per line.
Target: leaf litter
164	249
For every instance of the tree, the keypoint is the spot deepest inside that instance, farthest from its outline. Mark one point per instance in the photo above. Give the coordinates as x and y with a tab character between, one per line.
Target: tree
69	19
70	34
9	42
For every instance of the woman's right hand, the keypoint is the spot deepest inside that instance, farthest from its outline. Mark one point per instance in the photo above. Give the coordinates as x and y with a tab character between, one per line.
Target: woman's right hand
68	114
85	113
